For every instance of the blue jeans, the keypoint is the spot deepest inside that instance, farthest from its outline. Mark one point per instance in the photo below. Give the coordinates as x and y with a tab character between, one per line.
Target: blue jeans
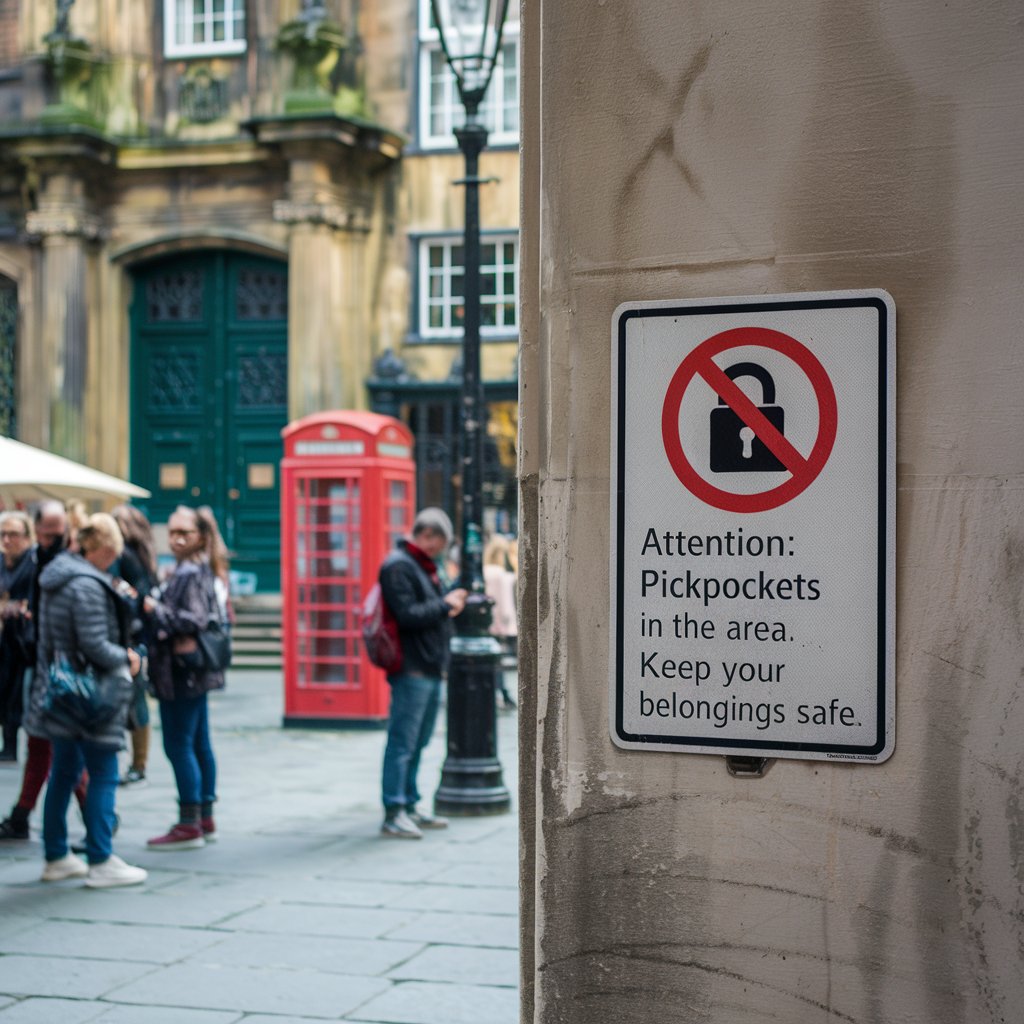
414	703
186	728
101	762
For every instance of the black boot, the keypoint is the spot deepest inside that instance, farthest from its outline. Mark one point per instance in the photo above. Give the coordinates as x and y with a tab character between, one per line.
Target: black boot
16	826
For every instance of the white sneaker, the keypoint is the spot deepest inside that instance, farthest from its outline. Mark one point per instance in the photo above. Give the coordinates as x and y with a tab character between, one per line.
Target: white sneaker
68	866
113	872
398	825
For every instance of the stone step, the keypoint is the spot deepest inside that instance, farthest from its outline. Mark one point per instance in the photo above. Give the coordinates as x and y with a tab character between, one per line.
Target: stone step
256	634
255	631
261	661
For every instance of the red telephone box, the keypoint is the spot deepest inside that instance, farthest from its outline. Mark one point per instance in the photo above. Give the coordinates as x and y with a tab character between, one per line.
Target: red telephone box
347	494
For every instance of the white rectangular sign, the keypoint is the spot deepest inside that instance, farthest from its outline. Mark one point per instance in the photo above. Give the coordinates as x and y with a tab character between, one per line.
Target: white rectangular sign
753	526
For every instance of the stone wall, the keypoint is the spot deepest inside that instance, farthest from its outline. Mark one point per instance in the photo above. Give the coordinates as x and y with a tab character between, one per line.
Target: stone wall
681	151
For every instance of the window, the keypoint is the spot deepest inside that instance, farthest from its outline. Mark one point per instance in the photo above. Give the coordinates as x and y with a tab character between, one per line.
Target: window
197	28
440	107
441	286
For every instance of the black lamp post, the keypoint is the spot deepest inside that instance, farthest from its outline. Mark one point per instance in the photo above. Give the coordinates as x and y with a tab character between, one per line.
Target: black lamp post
471	779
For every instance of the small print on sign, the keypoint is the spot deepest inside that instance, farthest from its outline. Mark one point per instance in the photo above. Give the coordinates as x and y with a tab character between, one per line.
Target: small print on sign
753	526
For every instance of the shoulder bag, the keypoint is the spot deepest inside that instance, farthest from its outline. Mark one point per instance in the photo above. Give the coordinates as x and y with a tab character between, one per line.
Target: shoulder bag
214	642
79	698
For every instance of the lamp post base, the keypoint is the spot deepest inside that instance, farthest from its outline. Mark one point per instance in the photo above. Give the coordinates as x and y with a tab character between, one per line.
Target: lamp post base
471	778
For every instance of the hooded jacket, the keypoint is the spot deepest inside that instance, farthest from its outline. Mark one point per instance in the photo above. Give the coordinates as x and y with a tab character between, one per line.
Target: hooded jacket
80	615
424	626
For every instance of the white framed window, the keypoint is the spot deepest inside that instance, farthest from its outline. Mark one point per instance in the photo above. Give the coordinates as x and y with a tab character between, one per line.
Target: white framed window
441	286
199	28
440	110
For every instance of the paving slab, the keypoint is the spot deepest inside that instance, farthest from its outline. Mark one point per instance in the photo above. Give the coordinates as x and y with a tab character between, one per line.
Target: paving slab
423	1003
487	874
50	1011
460	899
97	940
163	1015
73	977
490	930
134	905
322	891
461	966
305	919
262	990
321	953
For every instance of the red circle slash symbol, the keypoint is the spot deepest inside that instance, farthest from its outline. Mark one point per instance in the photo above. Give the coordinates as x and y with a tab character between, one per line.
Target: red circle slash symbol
803	471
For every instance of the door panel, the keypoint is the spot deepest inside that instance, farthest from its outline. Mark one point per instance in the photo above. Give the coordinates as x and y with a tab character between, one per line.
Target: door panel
209	396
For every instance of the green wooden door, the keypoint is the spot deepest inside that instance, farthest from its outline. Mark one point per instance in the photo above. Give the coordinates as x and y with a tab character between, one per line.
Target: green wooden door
210	395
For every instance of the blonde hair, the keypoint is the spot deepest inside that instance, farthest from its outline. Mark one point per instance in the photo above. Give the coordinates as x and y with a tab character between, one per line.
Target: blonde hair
76	512
100	531
513	554
496	552
19	517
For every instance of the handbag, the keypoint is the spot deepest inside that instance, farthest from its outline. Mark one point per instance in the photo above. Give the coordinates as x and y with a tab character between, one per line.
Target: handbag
212	652
214	646
78	698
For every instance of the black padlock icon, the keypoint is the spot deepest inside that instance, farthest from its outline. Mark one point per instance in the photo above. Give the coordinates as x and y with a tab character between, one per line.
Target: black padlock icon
735	448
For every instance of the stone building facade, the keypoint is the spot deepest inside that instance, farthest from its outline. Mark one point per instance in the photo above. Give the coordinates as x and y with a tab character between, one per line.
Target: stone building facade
218	216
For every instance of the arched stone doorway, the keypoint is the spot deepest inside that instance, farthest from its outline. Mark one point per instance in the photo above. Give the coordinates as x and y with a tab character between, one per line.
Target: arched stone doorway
209	383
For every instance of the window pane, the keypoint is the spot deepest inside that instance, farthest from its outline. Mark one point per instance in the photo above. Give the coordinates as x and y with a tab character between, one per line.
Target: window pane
487	315
488	283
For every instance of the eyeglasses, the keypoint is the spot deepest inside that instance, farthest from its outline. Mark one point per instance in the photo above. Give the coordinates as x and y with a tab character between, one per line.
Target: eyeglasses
12	533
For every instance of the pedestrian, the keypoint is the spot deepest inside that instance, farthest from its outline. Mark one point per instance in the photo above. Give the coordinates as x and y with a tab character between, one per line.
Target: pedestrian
179	678
77	516
412	590
51	524
82	619
17	571
500	586
137	568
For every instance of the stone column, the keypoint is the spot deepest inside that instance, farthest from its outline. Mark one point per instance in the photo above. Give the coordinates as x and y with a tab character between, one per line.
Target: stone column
329	352
65	226
686	151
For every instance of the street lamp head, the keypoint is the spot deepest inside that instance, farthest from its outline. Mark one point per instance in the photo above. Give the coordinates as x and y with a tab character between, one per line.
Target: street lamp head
470	32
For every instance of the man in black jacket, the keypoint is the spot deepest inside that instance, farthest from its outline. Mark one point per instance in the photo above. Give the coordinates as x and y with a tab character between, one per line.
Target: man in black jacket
412	590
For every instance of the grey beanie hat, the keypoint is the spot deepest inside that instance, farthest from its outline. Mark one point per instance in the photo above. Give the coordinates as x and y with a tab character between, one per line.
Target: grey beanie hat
436	521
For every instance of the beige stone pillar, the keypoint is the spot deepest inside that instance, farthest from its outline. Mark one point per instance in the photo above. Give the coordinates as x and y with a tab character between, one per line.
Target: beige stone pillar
64	226
677	151
327	319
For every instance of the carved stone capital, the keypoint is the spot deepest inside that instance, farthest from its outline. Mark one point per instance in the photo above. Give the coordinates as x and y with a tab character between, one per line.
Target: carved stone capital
321	206
67	221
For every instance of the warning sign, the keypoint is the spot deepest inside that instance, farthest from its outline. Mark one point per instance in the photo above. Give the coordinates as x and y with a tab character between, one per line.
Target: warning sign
753	526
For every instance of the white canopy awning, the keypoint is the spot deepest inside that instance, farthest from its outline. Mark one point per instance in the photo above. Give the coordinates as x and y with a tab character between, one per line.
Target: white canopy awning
31	474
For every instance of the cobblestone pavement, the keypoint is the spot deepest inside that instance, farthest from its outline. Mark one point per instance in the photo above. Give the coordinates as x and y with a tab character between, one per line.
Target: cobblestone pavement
299	912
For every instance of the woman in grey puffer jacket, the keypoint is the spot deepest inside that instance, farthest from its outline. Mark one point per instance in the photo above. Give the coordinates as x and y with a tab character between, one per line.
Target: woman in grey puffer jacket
82	617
